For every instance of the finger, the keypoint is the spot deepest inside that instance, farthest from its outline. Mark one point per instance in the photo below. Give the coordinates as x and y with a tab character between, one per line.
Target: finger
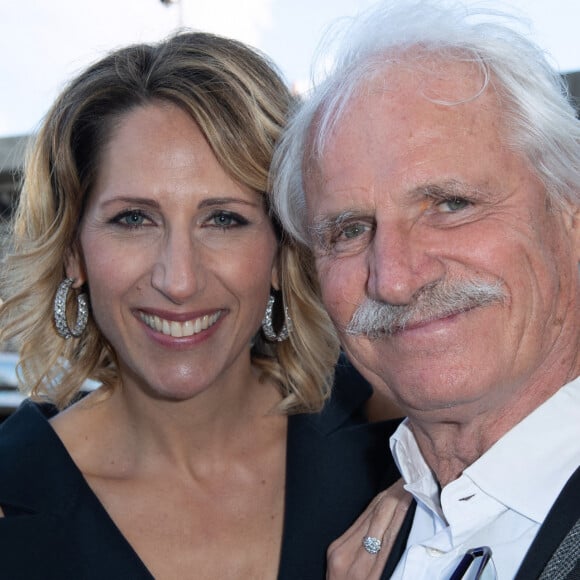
345	550
383	524
351	542
384	508
347	557
360	526
393	528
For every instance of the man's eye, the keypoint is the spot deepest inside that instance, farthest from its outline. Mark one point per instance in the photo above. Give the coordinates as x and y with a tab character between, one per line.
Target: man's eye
351	238
453	204
343	236
353	231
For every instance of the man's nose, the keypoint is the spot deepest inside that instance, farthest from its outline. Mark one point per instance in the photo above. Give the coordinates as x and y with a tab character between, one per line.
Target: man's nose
178	272
400	264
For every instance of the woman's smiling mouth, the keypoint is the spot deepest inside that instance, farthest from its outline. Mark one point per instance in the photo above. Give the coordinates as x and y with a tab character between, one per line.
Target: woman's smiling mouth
178	329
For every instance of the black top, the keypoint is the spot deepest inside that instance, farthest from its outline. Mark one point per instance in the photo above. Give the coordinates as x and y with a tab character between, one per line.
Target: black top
56	528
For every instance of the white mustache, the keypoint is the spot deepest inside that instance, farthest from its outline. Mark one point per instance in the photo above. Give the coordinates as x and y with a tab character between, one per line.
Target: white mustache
374	319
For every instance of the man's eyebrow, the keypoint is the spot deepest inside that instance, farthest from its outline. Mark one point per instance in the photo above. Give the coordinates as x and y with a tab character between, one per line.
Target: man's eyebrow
450	188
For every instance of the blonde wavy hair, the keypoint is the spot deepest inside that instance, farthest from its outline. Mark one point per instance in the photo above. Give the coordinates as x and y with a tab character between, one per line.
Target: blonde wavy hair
240	103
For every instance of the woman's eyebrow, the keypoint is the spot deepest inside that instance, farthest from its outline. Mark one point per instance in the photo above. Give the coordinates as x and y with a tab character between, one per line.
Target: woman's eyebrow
215	201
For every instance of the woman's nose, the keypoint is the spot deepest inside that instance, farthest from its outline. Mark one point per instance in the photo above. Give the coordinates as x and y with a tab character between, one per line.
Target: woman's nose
178	272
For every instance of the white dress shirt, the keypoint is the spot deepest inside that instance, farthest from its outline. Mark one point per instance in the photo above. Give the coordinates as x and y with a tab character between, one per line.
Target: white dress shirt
499	501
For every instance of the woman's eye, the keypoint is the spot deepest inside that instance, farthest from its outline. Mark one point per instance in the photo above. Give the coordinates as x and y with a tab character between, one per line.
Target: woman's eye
453	204
223	220
226	219
131	219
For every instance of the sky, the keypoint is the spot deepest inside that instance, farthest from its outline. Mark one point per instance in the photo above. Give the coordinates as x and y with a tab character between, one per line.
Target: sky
45	42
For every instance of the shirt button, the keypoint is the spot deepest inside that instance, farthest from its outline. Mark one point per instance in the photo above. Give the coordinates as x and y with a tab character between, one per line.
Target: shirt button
434	552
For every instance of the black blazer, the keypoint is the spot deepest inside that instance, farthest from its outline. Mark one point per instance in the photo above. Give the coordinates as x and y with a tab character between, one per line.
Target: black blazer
336	464
55	528
560	520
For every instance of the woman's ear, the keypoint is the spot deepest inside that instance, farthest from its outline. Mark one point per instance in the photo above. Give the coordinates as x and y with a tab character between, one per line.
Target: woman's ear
74	266
274	279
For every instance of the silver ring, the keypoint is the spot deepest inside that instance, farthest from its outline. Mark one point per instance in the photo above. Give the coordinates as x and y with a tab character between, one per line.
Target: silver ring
372	545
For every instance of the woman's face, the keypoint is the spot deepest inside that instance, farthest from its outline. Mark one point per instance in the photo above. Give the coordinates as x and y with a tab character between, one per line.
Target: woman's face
179	258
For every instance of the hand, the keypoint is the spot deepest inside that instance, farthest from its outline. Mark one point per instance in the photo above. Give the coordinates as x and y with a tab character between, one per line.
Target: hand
347	558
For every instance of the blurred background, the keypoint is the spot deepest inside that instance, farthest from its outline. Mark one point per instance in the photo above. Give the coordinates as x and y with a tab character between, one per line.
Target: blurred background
44	42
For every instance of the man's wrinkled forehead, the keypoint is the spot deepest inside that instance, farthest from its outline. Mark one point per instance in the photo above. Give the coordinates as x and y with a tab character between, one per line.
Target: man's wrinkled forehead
446	77
433	80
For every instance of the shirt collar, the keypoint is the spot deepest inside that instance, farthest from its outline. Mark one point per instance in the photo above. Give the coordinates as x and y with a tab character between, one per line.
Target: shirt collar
419	479
525	470
528	467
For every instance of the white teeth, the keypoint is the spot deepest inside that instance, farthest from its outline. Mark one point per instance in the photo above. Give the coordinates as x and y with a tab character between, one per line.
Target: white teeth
176	329
179	329
187	328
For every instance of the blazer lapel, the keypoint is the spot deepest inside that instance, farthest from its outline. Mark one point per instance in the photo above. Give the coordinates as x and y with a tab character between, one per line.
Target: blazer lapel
400	544
558	523
336	463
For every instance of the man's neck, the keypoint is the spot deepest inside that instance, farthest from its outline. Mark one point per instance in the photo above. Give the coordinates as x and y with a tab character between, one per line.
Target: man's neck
449	444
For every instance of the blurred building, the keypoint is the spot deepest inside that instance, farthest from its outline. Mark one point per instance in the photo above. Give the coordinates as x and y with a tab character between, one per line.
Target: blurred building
12	151
573	81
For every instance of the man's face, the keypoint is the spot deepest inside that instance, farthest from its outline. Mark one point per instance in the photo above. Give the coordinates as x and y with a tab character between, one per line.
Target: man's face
421	205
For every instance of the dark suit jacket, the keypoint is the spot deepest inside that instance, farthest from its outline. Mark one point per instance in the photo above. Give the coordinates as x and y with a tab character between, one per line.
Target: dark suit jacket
55	528
558	523
336	464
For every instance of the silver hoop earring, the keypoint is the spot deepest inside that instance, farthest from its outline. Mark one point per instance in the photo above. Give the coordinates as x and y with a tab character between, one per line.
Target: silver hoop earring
60	320
268	324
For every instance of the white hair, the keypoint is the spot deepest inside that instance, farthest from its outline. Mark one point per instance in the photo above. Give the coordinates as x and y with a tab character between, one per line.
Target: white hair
539	120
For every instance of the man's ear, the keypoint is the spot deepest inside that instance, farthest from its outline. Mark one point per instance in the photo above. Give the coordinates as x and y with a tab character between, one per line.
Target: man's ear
575	230
571	225
75	267
576	226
